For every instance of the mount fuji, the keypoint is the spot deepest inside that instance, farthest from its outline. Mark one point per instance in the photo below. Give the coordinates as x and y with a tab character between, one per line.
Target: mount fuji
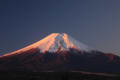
53	43
59	52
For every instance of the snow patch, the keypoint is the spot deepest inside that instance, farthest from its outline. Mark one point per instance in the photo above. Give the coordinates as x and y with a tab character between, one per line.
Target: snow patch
61	42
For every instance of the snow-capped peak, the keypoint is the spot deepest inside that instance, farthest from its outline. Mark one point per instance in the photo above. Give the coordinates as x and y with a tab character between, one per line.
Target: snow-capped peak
55	42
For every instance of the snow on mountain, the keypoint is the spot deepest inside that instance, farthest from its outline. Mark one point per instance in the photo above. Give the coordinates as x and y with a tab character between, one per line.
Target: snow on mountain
55	42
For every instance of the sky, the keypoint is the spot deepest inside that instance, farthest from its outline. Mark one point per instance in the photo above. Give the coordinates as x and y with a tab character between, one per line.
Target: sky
95	23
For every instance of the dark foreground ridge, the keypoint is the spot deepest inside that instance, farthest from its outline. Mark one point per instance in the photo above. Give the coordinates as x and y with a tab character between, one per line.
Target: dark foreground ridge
55	76
73	60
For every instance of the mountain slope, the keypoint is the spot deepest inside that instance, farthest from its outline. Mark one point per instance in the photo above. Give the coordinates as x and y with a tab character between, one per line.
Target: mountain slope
34	61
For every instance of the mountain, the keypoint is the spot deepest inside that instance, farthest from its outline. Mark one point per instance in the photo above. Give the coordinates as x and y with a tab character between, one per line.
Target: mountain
55	42
59	52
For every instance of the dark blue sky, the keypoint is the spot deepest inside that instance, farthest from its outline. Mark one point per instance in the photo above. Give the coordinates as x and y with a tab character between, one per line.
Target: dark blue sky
93	22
